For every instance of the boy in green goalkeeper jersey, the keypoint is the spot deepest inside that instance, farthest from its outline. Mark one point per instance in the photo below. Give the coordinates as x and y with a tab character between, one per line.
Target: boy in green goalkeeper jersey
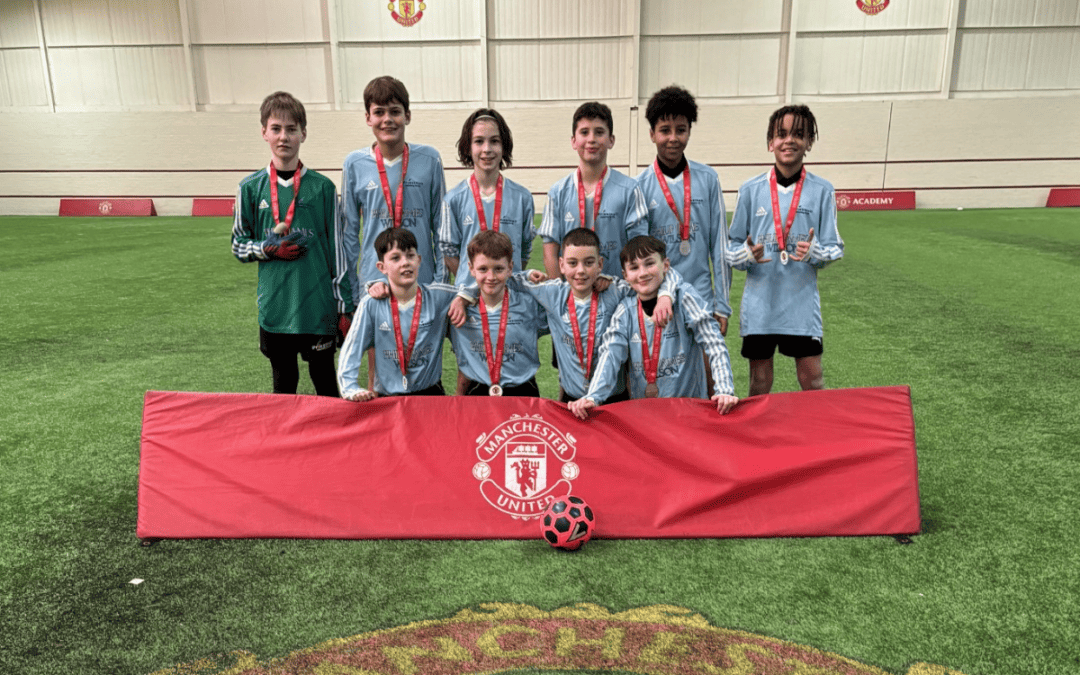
286	220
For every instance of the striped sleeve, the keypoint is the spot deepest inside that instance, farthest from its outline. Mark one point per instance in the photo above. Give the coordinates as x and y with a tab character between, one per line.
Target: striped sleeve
637	221
721	267
614	348
343	290
707	333
244	245
827	246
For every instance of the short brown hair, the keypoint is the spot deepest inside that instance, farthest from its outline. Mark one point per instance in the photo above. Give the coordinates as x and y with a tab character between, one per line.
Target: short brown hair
494	245
581	236
464	144
382	90
641	247
282	103
593	110
394	237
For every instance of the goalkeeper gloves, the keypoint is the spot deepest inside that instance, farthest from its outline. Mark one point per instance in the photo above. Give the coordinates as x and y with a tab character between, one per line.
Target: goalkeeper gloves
343	324
284	248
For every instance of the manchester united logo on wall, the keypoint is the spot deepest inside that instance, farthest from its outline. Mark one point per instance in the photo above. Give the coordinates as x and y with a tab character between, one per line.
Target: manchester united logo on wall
872	7
407	12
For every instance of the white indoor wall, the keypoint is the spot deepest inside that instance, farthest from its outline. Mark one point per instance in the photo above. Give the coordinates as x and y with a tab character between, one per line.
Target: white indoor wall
167	90
224	55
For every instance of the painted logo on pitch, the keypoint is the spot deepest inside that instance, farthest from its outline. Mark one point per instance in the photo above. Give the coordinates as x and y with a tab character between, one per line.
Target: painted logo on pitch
872	7
408	12
524	463
501	637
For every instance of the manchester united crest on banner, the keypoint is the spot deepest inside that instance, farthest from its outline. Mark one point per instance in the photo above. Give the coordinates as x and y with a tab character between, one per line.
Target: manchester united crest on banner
525	462
872	7
407	12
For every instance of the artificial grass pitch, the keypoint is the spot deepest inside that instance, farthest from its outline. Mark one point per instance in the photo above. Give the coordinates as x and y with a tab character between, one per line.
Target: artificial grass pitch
975	310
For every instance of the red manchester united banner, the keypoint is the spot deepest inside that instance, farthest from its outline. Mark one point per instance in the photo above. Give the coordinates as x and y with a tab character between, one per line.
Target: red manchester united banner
836	462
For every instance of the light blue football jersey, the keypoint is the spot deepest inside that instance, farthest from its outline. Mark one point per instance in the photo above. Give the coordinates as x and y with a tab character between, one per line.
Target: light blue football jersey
621	217
681	371
363	203
705	267
553	296
521	357
459	224
373	327
777	298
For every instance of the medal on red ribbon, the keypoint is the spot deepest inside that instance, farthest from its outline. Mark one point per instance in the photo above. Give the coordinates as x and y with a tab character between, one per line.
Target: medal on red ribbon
283	227
783	232
586	361
494	357
405	349
598	194
394	206
684	221
497	213
649	365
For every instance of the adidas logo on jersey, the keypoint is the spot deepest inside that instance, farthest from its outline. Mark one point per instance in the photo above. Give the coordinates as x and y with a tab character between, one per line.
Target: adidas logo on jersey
569	217
384	326
263	205
371	185
468	220
652	204
635	339
760	211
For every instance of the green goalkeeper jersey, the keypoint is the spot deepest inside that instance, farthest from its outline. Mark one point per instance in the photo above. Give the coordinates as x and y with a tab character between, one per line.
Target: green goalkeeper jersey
297	296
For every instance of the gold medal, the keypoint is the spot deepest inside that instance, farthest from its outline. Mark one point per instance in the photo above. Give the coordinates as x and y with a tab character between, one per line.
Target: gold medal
494	390
651	390
684	247
280	228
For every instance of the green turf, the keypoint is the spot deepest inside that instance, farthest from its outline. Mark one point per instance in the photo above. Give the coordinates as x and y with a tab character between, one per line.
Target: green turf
977	311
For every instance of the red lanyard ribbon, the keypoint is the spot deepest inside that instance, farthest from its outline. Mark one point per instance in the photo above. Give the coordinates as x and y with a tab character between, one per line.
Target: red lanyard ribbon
497	213
494	361
395	207
782	234
684	222
405	349
586	363
274	196
649	365
597	195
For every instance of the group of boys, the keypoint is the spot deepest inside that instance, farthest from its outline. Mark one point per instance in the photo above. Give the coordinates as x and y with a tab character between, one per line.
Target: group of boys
637	271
